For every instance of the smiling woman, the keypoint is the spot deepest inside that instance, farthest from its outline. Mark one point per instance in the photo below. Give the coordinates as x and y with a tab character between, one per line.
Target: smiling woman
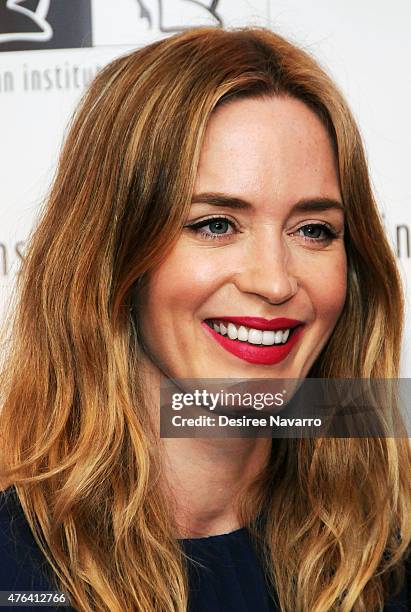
211	217
267	166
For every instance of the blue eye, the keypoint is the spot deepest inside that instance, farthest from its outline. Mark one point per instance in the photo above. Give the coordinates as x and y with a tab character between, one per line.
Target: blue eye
218	227
316	229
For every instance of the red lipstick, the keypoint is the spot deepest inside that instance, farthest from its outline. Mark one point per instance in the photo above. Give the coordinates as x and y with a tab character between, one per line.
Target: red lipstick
257	353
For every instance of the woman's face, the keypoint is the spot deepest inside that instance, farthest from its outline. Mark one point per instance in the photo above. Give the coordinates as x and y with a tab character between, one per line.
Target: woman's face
263	242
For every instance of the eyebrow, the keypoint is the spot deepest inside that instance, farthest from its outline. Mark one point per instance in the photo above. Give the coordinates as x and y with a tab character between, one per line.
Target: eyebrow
227	201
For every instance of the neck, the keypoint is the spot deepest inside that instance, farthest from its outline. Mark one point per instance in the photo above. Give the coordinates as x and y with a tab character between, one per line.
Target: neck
204	478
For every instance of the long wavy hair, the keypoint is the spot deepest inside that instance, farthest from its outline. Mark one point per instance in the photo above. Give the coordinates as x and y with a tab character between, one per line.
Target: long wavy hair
76	440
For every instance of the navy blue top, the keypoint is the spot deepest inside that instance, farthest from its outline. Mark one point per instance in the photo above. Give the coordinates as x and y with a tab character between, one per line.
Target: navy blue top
230	579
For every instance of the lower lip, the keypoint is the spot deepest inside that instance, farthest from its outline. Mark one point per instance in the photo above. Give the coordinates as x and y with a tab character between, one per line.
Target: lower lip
257	353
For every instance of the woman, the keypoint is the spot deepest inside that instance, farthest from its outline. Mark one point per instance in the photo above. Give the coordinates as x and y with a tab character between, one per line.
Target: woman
209	176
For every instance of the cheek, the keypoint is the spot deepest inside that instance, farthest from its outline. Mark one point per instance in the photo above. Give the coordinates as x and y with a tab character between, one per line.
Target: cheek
181	284
329	288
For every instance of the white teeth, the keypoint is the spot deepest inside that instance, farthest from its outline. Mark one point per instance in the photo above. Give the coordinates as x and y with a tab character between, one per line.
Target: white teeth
242	333
251	335
268	337
232	331
255	336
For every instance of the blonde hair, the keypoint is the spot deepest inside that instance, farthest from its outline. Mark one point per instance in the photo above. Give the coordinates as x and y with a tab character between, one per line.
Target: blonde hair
76	440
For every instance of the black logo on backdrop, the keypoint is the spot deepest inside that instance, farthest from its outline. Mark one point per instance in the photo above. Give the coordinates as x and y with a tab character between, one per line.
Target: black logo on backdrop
201	8
61	24
44	24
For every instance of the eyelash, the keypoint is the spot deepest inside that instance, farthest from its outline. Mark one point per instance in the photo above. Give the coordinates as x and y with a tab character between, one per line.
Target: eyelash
330	233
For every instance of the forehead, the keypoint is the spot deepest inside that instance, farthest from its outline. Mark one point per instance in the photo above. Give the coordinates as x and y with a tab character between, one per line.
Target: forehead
268	147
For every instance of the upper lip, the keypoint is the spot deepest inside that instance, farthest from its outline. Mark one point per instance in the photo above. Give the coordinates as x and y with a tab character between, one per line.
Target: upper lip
260	323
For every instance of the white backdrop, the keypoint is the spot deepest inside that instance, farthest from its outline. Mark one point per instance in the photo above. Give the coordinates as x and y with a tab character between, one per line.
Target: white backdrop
365	46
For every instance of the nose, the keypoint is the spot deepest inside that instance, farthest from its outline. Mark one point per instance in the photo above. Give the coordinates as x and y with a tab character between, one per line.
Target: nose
266	268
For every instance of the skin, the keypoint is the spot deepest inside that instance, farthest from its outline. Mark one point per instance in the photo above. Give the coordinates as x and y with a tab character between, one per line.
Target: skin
273	153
